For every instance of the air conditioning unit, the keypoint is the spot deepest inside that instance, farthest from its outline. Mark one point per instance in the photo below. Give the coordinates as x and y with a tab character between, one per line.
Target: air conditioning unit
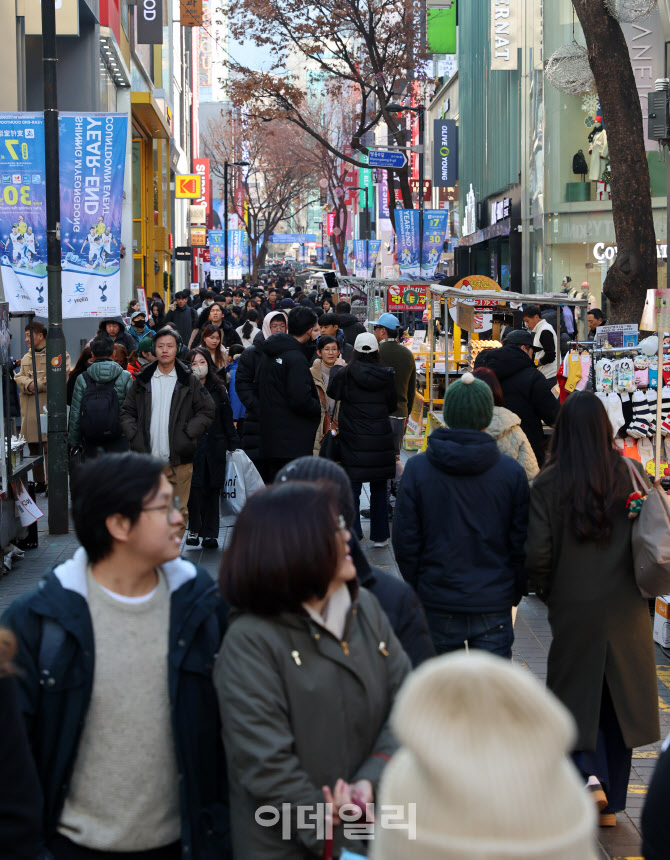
658	127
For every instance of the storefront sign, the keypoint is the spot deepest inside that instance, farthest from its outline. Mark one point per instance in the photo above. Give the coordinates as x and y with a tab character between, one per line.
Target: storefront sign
197	214
201	167
427	188
190	13
149	22
646	45
406	297
505	25
602	252
470	213
198	237
188	186
445	153
500	209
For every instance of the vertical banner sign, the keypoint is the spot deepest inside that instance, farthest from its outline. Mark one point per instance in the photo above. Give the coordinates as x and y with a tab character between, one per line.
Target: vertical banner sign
330	223
201	167
445	153
320	255
236	254
435	222
23	212
359	258
149	22
505	27
384	195
373	253
407	230
216	248
92	161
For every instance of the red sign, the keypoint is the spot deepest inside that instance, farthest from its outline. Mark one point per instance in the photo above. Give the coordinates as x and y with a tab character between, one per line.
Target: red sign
427	188
330	223
407	297
110	16
201	166
350	178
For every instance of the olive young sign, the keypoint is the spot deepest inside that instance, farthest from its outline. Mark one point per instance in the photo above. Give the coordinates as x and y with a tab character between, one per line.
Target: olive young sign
445	153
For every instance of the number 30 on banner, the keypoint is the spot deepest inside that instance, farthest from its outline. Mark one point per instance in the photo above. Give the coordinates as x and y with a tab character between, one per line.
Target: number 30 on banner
12	195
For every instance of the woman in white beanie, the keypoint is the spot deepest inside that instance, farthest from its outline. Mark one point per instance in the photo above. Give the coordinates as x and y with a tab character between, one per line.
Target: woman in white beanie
484	760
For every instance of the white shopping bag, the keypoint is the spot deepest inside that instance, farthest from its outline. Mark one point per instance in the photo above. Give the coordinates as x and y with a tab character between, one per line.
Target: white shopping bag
242	480
26	509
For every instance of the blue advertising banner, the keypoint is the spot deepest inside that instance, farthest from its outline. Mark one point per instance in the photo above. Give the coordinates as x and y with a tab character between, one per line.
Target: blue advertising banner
365	264
359	258
300	238
92	159
23	212
237	254
407	232
435	222
217	270
375	247
321	255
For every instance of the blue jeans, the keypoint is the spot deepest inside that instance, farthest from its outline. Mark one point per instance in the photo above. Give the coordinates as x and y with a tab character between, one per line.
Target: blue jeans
490	631
379	517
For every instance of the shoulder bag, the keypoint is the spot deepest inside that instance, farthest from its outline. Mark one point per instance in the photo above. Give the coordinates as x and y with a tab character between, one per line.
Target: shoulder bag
651	538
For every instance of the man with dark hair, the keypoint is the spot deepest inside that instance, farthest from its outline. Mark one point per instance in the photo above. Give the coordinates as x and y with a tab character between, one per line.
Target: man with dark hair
544	342
166	411
595	318
349	324
329	325
115	328
116	648
30	388
99	394
290	409
271	304
184	317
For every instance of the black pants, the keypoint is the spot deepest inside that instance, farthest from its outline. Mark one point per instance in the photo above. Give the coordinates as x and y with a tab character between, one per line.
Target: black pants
203	511
62	849
269	468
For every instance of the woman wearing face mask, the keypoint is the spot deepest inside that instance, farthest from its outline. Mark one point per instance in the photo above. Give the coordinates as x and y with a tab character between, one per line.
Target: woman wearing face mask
209	463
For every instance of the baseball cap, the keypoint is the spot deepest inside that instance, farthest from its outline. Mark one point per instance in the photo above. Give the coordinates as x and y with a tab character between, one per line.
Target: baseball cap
519	337
366	342
389	321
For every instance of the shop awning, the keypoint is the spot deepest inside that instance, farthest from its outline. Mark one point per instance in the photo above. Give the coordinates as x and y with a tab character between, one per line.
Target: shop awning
149	116
503	296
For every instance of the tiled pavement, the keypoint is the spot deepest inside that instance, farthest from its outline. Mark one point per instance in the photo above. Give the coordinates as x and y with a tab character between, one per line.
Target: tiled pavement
532	639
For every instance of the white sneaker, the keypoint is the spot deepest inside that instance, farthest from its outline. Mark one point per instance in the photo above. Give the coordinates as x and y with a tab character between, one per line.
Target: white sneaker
381	543
192	539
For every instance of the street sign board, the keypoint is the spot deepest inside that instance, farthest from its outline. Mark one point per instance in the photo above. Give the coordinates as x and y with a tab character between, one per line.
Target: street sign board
188	185
384	158
199	236
183	253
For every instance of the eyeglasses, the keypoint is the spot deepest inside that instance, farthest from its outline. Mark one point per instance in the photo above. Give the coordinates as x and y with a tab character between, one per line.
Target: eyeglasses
168	509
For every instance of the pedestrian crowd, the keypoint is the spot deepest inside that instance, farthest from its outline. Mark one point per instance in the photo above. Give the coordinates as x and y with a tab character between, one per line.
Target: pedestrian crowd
309	698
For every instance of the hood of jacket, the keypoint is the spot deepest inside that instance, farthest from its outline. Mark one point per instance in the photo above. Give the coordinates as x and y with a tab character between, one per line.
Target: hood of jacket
369	376
502	422
345	320
462	452
506	361
105	371
280	343
103	323
266	322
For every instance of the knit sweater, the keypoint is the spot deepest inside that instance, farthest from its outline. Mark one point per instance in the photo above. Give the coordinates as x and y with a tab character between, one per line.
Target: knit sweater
124	790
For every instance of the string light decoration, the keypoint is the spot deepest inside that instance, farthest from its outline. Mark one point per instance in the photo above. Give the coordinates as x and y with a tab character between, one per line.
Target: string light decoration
568	70
629	11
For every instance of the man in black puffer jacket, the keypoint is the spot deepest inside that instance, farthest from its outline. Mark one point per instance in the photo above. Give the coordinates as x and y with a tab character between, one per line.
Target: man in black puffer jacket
525	390
349	324
290	409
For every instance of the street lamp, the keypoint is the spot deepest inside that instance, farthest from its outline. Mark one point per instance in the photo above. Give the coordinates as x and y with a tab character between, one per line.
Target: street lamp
226	165
367	223
420	110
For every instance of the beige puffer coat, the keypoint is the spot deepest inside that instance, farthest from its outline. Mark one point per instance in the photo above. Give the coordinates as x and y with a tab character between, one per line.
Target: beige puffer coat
510	438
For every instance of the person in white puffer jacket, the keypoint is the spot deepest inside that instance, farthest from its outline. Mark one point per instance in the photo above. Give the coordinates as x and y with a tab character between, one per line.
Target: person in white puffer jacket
505	427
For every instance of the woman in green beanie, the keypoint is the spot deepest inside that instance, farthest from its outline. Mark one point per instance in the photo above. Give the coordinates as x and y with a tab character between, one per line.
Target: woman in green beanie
460	525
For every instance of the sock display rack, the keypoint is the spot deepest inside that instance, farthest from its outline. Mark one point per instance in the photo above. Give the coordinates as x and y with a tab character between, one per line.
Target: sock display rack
628	381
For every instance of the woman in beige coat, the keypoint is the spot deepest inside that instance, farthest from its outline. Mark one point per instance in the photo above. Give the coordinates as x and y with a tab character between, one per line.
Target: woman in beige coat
325	366
505	427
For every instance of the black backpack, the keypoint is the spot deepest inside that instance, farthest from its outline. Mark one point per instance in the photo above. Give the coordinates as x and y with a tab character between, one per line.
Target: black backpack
579	165
99	413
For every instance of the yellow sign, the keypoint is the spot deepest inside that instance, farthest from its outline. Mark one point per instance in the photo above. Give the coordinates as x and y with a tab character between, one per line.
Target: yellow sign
190	13
198	237
188	185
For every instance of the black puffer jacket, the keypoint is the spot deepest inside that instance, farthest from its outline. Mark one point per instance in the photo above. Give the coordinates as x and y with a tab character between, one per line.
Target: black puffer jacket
290	409
367	397
525	392
245	386
350	325
209	463
122	337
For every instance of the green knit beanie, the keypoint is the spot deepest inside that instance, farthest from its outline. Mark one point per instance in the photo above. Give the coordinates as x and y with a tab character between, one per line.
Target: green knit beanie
468	404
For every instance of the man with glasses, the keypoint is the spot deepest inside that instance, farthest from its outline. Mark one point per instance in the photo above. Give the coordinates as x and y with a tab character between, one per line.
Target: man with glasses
116	648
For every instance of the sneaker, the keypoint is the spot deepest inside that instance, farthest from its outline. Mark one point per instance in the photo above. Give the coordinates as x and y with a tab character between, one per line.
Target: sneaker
597	794
192	539
365	513
210	543
40	488
380	543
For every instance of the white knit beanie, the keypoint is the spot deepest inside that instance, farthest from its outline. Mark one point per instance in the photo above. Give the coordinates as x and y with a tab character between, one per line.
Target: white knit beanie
484	758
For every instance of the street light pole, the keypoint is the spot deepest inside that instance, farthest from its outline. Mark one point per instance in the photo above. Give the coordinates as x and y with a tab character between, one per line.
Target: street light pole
55	349
225	226
367	222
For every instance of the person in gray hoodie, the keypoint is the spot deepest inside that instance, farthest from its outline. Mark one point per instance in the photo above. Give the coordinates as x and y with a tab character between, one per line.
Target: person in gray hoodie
103	372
